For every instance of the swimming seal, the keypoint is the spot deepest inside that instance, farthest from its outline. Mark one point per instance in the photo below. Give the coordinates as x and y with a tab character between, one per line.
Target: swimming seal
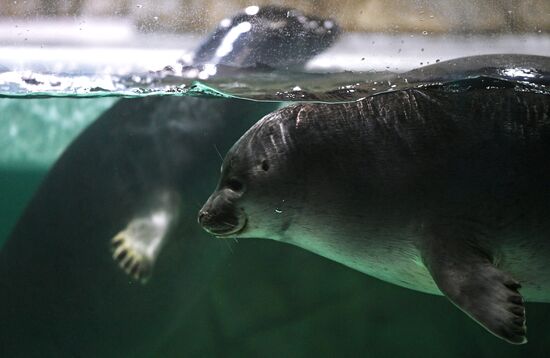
439	191
137	175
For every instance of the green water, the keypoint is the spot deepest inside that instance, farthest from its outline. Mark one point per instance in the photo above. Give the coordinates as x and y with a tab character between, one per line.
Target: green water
34	132
16	188
267	299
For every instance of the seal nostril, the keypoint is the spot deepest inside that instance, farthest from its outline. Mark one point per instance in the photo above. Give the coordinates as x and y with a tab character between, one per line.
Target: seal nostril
265	165
202	215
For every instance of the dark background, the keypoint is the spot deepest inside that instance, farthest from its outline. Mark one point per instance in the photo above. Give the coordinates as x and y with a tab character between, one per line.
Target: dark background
274	300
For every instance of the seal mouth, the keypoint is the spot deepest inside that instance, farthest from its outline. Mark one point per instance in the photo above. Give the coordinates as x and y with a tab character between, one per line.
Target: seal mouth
223	225
232	233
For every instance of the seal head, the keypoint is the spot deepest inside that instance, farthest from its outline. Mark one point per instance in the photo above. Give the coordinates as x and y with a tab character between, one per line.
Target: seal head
252	174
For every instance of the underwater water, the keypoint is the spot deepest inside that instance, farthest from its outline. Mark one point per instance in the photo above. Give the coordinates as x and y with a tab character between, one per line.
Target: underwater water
264	298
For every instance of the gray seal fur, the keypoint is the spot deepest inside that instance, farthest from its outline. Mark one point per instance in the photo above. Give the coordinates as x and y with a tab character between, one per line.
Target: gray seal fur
445	193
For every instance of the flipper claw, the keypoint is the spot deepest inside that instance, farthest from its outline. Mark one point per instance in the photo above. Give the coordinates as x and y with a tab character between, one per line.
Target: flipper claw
136	248
129	257
468	277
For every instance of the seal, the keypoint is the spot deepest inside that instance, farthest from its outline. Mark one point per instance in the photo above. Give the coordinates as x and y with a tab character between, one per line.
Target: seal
444	192
137	174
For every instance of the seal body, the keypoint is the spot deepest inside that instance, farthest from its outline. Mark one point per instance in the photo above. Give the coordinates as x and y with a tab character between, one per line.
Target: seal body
438	191
137	174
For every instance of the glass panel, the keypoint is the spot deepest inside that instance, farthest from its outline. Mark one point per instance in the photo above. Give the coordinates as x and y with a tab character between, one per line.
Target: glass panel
115	117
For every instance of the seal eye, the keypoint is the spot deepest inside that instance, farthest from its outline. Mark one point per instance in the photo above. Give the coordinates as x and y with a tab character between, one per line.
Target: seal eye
265	165
234	185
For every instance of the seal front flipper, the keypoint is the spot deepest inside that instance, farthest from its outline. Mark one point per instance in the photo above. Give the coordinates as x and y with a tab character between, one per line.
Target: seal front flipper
466	275
136	248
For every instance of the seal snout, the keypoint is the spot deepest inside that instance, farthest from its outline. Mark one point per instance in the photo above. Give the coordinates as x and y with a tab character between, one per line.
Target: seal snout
219	216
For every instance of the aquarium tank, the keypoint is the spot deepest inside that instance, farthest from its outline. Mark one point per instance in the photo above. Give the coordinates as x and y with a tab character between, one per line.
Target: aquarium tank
115	117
